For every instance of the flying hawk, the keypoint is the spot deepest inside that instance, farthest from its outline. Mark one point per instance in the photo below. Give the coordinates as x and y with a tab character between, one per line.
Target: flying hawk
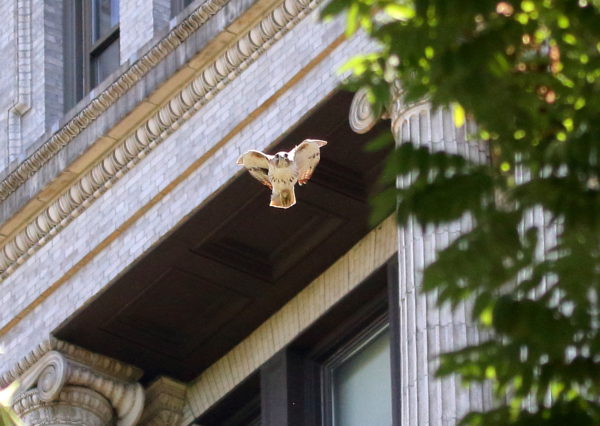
281	171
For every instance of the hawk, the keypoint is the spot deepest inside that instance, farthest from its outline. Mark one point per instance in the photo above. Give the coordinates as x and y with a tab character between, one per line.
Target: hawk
281	171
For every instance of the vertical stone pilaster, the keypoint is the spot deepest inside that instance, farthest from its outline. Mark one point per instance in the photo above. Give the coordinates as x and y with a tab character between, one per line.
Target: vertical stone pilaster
425	329
22	103
61	384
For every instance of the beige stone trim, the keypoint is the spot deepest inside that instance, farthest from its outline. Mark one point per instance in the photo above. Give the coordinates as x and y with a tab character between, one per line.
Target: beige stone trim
101	176
295	316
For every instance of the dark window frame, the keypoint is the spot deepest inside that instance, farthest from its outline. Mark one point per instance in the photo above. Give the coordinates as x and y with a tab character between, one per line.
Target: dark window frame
80	51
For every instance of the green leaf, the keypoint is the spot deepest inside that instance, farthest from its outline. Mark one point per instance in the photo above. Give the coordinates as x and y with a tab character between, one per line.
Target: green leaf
333	8
399	11
458	114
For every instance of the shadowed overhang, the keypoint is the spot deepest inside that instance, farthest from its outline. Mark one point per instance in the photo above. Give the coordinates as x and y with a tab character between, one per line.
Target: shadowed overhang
236	260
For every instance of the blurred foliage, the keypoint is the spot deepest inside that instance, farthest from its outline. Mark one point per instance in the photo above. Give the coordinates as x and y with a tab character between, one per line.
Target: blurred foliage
528	73
7	416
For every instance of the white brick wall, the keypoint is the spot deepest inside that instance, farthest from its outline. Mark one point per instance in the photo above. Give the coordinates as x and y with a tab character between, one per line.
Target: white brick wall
139	20
164	164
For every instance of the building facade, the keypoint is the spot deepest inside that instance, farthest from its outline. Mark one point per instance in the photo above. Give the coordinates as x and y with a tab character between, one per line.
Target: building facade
145	279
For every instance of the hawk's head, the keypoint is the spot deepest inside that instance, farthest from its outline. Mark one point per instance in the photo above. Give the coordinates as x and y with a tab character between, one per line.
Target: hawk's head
281	159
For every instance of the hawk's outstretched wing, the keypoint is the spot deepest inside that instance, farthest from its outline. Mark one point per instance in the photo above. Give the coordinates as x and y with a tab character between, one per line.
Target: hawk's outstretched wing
257	164
307	156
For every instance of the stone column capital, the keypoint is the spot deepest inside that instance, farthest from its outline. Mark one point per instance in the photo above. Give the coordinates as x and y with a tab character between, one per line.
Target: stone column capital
165	400
60	383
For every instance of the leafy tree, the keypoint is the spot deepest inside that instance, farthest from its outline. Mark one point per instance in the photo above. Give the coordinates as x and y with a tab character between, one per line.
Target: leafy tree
528	73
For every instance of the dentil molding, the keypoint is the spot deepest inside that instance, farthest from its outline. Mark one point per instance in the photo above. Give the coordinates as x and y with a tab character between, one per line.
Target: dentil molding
185	103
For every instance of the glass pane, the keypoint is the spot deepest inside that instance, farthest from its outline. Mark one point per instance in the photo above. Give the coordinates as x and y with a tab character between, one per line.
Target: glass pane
105	63
362	392
105	15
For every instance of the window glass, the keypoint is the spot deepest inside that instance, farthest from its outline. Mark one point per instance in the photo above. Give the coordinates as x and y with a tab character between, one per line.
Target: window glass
105	63
362	385
105	15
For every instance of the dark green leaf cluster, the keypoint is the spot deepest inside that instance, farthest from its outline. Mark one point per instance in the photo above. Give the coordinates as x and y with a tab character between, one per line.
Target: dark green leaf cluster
528	73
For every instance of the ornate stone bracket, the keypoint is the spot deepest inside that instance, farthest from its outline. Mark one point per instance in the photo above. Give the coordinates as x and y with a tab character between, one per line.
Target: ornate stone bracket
73	386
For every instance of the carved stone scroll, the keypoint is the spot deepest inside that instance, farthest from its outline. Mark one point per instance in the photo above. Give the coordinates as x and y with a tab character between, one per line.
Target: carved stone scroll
74	386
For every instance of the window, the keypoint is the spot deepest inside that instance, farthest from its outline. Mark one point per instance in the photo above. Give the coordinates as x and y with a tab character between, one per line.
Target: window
91	45
357	381
343	370
178	5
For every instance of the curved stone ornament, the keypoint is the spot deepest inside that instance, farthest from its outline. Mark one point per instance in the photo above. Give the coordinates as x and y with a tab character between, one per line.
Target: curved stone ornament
75	387
49	373
362	117
73	201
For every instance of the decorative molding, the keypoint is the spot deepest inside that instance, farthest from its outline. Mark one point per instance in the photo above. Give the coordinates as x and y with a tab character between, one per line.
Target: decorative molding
215	76
23	99
86	407
108	97
48	372
165	399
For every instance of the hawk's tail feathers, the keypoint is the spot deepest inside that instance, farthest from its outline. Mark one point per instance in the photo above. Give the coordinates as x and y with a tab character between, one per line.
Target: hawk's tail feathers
283	200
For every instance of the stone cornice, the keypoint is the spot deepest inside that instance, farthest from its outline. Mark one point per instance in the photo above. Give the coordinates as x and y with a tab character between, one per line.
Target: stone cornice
108	97
93	183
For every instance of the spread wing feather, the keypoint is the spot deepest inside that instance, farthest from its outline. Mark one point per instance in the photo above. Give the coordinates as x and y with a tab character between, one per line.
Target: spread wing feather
257	164
307	156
